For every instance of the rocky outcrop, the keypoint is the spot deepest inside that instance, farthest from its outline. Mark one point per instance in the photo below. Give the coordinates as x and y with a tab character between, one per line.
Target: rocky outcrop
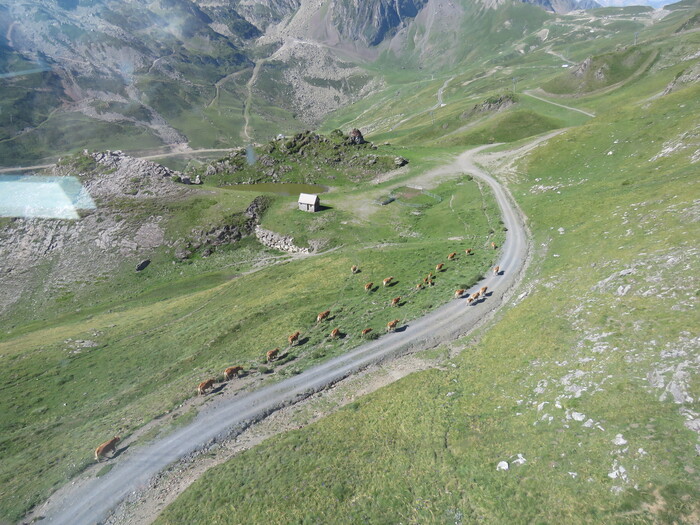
492	104
356	137
370	22
277	241
112	175
400	161
239	226
689	76
42	258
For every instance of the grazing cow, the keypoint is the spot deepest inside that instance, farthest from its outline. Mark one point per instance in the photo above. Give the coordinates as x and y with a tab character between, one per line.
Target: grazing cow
231	372
460	292
204	386
439	266
419	286
294	338
354	269
483	289
496	269
107	447
451	256
366	331
386	281
335	332
430	283
272	354
493	245
320	317
368	287
468	251
395	300
391	325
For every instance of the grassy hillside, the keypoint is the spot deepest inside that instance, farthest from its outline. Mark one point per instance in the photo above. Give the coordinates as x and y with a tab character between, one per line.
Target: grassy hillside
602	71
141	342
586	385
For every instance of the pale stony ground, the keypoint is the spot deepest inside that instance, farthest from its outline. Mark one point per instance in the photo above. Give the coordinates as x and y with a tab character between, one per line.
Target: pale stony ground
73	253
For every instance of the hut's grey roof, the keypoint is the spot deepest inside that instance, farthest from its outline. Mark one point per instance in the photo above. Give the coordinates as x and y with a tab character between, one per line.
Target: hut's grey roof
308	198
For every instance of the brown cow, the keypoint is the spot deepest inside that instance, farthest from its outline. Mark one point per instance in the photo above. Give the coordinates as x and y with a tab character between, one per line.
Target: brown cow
470	299
419	286
468	251
439	266
460	292
366	331
368	287
395	300
493	245
391	325
272	354
483	289
294	338
475	296
205	385
430	283
386	281
335	332
231	372
107	447
320	317
451	256
354	269
496	269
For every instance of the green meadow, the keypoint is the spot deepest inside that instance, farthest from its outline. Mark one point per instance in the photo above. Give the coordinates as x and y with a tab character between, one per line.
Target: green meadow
141	342
585	385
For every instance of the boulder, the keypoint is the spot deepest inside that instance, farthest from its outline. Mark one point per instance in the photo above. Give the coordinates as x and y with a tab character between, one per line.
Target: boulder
502	465
356	137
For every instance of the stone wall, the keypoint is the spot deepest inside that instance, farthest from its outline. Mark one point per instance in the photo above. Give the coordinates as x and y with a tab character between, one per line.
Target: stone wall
274	240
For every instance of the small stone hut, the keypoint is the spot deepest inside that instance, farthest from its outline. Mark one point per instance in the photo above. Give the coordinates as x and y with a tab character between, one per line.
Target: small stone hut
309	202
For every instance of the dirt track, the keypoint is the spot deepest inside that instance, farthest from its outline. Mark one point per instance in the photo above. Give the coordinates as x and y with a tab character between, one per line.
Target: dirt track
90	501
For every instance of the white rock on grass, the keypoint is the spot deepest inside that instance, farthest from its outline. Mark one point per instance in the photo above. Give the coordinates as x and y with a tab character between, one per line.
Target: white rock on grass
576	416
503	465
520	460
619	440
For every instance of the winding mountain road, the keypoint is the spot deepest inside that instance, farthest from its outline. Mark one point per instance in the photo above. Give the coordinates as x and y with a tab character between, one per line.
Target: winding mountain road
529	94
91	501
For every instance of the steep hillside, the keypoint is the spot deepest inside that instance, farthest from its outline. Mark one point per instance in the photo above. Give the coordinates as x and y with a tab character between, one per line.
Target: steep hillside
179	74
142	216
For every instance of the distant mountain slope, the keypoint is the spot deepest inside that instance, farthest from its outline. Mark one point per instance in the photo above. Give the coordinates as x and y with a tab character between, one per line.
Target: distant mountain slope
193	73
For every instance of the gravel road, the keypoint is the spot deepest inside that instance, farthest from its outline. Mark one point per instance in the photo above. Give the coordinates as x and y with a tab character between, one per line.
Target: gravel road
90	501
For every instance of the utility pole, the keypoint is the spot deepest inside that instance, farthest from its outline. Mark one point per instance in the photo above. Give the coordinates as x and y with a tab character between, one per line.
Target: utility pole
635	37
515	79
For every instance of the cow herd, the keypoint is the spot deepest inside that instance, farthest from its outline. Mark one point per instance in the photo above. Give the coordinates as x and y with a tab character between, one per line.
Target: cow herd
234	371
